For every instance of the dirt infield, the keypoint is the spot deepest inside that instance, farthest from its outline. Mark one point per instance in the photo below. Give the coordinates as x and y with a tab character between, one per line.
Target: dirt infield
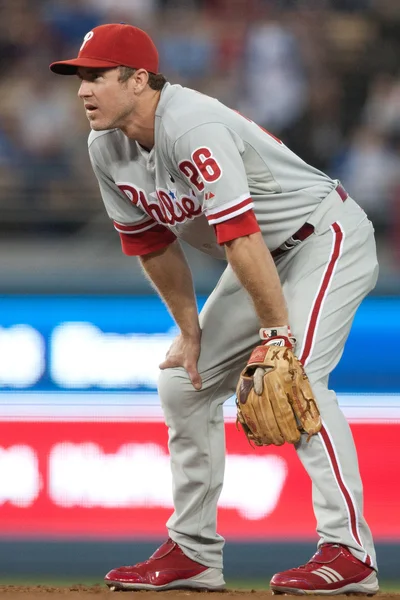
81	592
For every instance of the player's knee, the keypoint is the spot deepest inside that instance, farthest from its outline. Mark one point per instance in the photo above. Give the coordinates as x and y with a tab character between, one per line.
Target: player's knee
173	385
326	398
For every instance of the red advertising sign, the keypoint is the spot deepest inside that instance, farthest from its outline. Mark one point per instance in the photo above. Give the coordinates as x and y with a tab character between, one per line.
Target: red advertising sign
112	480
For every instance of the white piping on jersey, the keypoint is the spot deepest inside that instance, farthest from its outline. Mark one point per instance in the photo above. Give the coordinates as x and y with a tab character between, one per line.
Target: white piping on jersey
138	230
329	574
231	204
235	213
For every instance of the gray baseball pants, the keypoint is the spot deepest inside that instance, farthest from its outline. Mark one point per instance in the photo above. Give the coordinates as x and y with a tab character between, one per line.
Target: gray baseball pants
324	280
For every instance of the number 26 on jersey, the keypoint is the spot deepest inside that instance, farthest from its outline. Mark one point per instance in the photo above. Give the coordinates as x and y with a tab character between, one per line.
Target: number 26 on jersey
203	166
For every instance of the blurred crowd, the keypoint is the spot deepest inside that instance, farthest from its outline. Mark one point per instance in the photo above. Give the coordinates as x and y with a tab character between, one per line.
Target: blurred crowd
323	75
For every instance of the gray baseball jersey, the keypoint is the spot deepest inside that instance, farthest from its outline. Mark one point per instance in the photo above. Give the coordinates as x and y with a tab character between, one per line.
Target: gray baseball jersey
211	166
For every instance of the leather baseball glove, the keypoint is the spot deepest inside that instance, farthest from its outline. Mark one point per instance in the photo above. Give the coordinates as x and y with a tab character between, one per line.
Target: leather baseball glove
275	402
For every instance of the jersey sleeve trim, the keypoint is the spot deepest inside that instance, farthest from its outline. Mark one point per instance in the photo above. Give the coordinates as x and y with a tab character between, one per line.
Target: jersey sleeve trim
218	216
134	229
232	203
240	226
146	242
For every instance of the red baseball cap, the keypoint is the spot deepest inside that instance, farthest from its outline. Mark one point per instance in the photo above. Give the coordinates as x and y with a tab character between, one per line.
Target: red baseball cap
112	45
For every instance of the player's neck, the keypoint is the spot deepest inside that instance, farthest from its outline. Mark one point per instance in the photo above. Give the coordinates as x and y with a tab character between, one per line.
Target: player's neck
140	124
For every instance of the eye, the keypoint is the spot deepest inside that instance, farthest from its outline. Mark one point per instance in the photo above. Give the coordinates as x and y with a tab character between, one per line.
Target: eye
93	75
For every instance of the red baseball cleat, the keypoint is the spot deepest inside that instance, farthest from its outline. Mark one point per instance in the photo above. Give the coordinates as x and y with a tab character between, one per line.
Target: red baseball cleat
332	570
168	568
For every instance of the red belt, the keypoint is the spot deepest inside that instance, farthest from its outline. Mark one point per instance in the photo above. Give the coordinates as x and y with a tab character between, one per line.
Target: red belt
305	231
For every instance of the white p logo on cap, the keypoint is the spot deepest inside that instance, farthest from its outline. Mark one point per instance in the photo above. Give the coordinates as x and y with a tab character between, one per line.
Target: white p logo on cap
87	37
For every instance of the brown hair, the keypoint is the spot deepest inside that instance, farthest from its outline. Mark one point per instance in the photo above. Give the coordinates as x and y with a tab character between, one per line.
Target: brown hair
156	80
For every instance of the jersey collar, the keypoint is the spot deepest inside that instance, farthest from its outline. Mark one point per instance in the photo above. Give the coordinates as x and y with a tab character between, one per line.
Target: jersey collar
167	93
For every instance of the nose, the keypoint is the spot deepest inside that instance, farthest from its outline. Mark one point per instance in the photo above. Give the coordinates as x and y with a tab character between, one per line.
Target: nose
84	89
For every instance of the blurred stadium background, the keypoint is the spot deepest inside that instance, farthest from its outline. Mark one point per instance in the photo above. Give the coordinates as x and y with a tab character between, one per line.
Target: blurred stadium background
84	476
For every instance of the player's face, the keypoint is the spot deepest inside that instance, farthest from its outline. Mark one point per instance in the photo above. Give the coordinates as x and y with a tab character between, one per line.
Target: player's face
107	100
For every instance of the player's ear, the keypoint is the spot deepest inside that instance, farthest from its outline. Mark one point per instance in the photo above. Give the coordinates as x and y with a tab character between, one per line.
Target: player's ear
141	78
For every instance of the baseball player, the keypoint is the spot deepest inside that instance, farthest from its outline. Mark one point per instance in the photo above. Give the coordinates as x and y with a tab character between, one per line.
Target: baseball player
174	164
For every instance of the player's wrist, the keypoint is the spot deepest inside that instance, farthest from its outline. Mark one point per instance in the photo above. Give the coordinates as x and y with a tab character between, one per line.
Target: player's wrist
277	336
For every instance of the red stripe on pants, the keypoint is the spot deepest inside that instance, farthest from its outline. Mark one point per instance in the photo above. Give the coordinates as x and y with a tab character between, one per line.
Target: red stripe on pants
352	511
305	355
310	334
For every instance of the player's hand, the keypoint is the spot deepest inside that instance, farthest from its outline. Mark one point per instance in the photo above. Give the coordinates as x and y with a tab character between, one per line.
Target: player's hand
184	352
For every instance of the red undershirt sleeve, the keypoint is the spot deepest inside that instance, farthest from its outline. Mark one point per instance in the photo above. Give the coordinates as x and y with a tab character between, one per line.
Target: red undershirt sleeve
153	239
244	224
